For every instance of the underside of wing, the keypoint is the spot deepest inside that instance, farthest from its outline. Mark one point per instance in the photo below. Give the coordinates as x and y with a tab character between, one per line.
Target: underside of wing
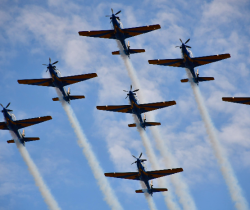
121	108
160	173
77	78
129	32
168	62
39	82
126	175
154	106
239	100
3	126
32	121
107	34
209	59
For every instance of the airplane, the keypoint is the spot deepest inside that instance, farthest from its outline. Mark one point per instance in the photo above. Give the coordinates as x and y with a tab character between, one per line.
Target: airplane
120	33
239	100
59	82
14	125
137	109
190	62
145	176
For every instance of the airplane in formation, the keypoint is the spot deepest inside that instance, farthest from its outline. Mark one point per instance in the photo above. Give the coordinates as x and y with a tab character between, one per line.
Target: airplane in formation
14	125
238	100
145	176
137	109
190	62
59	82
120	33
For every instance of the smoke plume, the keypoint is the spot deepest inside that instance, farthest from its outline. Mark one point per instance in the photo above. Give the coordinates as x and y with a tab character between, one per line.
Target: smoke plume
44	190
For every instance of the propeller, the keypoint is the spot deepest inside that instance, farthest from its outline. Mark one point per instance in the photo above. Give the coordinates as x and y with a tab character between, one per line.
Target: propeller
114	14
184	44
6	108
131	91
51	64
142	160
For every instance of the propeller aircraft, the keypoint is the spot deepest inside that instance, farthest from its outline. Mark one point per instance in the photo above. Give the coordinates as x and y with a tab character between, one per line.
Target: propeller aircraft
145	176
190	62
120	33
14	125
137	109
59	82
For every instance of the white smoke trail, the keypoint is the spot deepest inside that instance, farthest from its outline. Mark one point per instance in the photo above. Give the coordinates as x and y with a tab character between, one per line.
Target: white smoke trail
225	166
104	185
148	197
181	187
44	190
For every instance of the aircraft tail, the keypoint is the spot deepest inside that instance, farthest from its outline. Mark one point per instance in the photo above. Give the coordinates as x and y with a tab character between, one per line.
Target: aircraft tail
24	139
153	190
131	51
200	79
70	97
145	124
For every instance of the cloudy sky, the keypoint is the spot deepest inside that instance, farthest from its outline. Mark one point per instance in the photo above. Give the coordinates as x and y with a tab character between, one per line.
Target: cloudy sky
33	31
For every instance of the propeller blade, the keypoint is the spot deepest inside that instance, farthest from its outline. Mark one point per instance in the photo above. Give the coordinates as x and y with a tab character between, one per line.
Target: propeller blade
112	11
54	62
187	41
133	163
108	16
188	46
178	46
50	60
117	12
7	105
125	90
142	160
9	110
1	105
130	87
45	64
181	41
126	97
134	157
136	90
140	155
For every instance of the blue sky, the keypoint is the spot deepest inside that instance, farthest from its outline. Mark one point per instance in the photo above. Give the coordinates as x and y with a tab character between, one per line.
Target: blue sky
33	31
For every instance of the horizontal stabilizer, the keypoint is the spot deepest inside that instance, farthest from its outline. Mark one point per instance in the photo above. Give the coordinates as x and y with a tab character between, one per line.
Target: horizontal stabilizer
116	53
31	139
184	80
202	79
132	125
139	191
151	123
240	100
76	97
159	189
55	99
11	141
133	51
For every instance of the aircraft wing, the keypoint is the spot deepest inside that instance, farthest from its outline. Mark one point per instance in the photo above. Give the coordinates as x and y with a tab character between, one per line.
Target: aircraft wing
154	106
125	175
240	100
3	126
107	34
198	61
40	82
160	173
168	62
122	108
32	121
77	78
129	32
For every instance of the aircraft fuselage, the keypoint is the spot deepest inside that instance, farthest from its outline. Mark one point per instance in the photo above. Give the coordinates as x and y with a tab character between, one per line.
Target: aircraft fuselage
119	34
143	176
57	83
135	108
12	126
188	62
